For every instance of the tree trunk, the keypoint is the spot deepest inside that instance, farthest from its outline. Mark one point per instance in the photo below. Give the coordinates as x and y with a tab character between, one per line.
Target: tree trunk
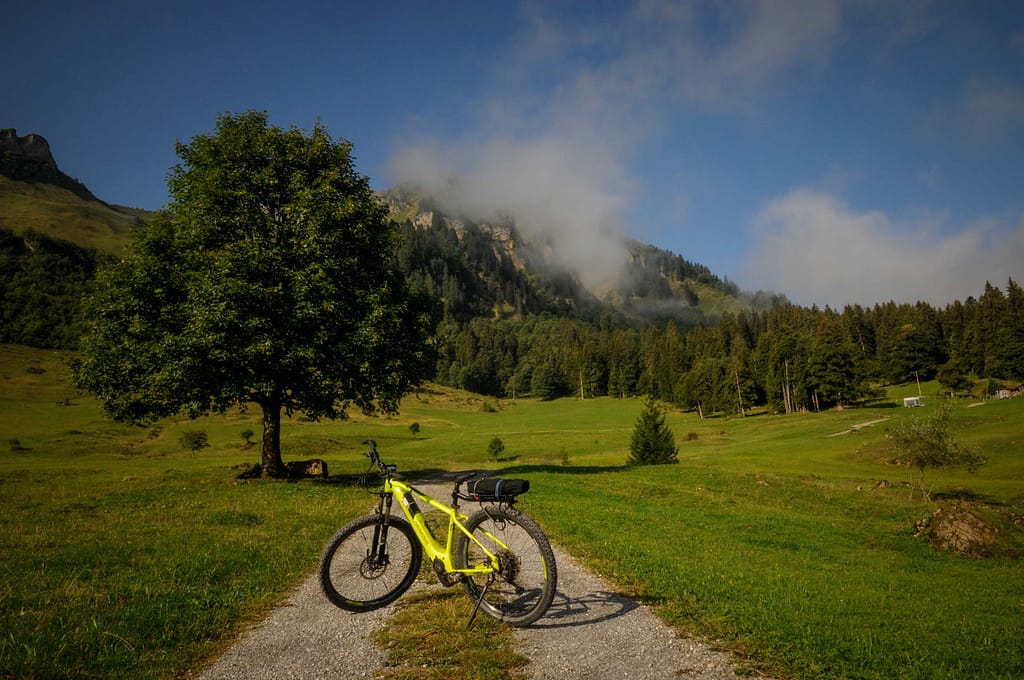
272	464
739	394
788	391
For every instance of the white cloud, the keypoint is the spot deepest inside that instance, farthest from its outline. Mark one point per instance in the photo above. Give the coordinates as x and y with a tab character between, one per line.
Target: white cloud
554	189
819	251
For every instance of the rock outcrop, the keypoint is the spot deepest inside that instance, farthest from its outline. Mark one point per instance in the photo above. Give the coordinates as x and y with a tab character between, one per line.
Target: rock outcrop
28	159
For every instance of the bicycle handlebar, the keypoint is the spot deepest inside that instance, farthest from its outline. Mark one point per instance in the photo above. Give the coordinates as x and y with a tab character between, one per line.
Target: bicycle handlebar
375	457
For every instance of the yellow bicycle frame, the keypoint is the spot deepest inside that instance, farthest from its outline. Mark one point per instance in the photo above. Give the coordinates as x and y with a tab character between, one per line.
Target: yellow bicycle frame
406	494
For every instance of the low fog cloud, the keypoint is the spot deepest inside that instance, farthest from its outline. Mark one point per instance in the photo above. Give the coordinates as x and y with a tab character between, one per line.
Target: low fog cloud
819	251
574	104
556	192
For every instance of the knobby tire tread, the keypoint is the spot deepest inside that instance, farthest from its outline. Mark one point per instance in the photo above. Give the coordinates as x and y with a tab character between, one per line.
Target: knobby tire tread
532	549
345	572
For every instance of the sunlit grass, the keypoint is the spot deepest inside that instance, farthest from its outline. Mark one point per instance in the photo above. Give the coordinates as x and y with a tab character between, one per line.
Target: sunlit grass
59	213
123	554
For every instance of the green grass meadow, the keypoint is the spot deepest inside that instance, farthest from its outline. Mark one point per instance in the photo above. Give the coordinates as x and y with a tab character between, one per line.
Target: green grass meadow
125	555
59	213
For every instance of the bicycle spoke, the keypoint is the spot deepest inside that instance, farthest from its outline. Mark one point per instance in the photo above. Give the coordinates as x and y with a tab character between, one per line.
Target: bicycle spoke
357	575
525	583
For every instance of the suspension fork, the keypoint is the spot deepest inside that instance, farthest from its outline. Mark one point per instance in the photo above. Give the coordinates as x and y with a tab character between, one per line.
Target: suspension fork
379	547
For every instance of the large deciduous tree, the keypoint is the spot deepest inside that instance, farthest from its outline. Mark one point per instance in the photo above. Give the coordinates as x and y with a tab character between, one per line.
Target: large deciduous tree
269	278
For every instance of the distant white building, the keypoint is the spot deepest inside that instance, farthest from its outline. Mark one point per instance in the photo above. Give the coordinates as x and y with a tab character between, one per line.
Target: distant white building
911	402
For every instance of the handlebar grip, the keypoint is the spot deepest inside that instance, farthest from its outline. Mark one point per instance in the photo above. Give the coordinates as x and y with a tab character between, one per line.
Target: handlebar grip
373	455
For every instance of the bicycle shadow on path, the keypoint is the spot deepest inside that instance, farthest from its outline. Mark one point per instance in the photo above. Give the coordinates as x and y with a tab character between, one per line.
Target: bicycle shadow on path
591	631
585	610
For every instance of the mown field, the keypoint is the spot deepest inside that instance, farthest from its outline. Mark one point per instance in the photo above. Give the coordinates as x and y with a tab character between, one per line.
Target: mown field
124	554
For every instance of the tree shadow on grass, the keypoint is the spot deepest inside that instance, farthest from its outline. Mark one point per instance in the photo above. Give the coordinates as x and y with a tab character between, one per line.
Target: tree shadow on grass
371	479
961	494
558	469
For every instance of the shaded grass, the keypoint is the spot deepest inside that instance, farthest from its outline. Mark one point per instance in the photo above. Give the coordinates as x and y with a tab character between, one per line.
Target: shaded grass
135	578
428	639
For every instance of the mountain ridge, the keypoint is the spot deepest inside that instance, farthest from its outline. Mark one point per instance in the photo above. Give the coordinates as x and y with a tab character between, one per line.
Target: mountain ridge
468	268
36	197
29	159
652	284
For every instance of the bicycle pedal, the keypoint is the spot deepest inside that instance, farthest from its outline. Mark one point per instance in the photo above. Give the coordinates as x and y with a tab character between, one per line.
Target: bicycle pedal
446	579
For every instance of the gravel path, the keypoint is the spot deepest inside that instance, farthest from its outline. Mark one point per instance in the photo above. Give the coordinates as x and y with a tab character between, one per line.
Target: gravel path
590	631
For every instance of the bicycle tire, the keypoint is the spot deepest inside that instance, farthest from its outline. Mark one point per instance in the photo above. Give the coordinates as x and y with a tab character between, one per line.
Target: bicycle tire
526	583
350	579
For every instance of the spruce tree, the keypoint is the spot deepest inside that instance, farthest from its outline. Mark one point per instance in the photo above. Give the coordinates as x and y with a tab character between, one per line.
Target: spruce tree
653	442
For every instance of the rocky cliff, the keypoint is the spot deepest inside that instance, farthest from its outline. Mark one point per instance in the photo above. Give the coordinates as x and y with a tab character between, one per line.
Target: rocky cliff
28	159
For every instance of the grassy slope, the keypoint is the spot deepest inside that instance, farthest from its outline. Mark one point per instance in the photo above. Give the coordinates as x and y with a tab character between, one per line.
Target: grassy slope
126	556
57	212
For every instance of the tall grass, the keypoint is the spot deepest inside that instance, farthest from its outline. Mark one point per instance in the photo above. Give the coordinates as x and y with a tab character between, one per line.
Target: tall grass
124	554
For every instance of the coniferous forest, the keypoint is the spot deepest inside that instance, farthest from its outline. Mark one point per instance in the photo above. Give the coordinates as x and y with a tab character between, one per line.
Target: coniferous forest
505	331
508	326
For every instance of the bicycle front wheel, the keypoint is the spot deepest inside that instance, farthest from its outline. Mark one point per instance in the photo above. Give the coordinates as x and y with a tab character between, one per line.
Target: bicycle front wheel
524	586
359	571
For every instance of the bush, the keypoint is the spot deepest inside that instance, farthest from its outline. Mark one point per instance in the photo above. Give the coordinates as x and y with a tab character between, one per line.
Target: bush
925	442
653	442
195	440
496	448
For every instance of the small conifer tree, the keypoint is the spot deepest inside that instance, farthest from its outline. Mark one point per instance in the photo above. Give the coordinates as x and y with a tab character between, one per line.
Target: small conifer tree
653	442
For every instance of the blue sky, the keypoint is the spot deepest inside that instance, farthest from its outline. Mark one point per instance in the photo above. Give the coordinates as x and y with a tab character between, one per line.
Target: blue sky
838	151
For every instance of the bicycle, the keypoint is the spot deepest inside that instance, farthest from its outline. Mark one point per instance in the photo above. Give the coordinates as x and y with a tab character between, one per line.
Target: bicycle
499	555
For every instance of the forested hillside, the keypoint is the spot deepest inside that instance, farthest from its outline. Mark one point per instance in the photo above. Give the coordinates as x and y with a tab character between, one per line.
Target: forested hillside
511	323
483	269
42	281
788	358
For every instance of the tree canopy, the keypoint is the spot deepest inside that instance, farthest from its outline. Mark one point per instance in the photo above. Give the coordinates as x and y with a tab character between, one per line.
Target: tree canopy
269	278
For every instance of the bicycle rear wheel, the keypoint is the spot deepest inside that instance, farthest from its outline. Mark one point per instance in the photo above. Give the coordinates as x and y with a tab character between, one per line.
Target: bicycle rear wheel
356	575
525	584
